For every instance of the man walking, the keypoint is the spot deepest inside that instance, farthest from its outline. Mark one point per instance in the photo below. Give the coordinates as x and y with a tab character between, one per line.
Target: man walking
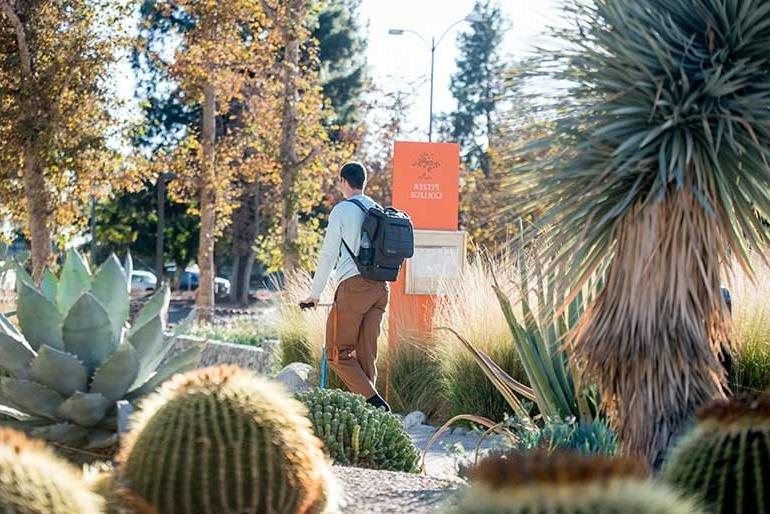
354	322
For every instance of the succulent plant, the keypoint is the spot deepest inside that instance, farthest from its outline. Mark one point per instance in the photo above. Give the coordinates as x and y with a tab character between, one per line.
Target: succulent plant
725	458
222	439
568	483
595	437
75	356
35	481
355	433
118	498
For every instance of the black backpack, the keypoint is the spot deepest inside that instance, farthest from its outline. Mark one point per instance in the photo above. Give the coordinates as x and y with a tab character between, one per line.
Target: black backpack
391	240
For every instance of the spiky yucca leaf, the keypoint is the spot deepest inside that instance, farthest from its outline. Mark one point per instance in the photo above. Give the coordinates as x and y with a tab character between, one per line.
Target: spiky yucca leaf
75	356
665	131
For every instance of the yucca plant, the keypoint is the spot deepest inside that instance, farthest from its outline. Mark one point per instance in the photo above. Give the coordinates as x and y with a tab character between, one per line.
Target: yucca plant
75	356
665	131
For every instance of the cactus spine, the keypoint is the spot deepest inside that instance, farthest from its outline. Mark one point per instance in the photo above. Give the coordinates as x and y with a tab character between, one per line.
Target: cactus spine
35	481
355	433
567	483
222	439
725	458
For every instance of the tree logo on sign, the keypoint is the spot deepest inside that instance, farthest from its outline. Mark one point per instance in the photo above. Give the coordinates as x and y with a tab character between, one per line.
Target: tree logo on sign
427	162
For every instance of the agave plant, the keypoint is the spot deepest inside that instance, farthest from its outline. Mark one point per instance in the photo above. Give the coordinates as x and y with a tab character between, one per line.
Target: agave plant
75	356
665	131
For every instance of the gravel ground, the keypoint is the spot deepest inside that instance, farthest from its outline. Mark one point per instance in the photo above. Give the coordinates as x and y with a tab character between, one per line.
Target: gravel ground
366	491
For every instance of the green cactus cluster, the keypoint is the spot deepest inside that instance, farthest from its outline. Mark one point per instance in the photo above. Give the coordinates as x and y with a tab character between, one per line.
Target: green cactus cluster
725	458
74	355
33	480
355	433
223	439
567	483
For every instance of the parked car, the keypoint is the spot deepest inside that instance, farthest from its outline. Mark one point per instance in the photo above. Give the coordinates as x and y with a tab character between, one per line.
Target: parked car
190	281
143	282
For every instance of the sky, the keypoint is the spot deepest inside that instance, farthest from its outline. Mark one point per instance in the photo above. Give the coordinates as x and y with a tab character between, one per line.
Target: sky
398	60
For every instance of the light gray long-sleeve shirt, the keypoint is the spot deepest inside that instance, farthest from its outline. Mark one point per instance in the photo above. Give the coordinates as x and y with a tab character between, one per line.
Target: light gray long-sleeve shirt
345	221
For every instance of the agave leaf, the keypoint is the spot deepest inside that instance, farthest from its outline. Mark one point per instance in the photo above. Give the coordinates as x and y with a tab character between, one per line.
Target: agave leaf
148	342
39	319
100	439
8	328
49	285
107	288
23	276
15	355
180	363
85	409
157	306
75	280
128	269
59	370
88	332
31	397
65	433
117	373
11	412
151	357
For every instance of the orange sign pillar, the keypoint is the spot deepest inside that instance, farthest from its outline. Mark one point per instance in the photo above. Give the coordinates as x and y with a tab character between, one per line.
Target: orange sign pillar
426	185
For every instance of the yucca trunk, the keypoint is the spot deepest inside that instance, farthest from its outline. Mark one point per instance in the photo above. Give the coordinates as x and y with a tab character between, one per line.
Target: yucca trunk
650	341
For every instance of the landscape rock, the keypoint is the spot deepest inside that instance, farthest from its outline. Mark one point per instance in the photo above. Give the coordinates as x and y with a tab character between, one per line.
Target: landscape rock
260	359
296	377
413	419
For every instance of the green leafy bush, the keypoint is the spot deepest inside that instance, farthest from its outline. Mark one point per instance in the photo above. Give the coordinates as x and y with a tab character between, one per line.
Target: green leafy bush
357	434
242	330
590	438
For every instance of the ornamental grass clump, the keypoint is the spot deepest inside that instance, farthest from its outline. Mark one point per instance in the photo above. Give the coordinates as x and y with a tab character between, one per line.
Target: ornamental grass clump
725	458
223	439
567	483
356	434
74	356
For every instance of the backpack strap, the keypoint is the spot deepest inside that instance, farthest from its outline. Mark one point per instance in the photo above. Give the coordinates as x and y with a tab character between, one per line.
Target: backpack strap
348	249
359	204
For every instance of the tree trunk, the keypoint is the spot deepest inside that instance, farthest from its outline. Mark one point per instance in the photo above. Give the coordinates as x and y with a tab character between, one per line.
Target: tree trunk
650	341
235	273
160	233
247	269
289	123
35	192
245	226
37	214
205	298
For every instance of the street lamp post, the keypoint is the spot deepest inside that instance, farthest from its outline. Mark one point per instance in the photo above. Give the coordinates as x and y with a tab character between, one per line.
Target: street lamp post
432	45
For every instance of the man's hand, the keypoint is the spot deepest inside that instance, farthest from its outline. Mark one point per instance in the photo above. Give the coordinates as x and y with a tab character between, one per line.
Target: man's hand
309	302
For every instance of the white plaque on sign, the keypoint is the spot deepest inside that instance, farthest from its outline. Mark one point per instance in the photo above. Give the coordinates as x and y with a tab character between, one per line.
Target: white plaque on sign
439	257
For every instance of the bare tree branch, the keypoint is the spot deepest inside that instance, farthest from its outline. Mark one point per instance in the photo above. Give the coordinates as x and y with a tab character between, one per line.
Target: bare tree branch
270	10
301	163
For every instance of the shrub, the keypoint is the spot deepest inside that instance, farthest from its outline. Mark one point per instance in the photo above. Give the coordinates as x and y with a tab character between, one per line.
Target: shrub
241	330
357	434
224	436
35	481
724	459
589	438
567	483
471	306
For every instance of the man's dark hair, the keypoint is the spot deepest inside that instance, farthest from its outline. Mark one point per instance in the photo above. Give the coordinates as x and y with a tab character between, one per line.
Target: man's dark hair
355	174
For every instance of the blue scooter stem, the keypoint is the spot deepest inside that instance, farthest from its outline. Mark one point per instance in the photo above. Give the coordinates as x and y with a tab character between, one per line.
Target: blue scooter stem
324	364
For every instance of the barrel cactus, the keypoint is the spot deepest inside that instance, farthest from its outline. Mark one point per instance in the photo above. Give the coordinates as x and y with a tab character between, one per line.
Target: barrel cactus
222	439
74	356
725	458
35	481
567	483
357	434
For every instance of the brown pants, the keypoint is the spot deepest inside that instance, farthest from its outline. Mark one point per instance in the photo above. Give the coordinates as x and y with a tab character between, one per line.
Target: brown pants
352	331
